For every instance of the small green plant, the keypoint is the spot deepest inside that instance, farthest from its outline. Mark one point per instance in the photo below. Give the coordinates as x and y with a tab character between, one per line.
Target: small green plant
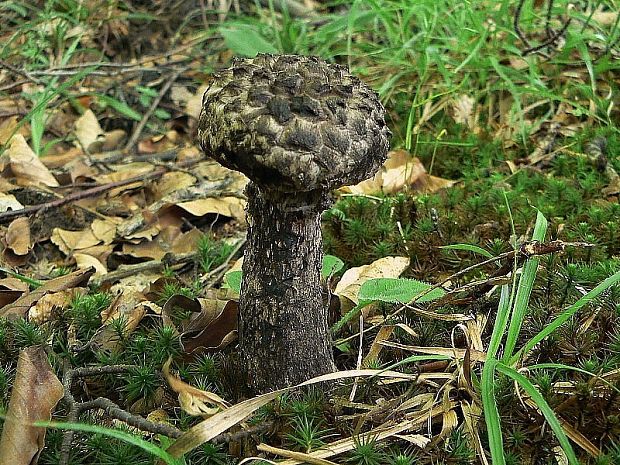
458	448
142	382
85	312
367	451
308	433
212	253
397	457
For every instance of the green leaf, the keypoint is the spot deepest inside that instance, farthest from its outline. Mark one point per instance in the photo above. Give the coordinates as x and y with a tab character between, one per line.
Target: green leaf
233	280
121	107
331	266
397	290
468	248
162	114
566	315
244	39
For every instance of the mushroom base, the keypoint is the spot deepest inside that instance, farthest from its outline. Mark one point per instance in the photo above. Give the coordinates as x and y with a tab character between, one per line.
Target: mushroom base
283	332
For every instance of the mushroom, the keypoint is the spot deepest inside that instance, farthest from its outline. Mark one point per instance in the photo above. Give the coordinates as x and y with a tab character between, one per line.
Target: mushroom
297	127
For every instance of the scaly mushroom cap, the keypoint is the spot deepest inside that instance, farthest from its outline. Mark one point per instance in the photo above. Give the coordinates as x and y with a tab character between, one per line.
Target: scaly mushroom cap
292	123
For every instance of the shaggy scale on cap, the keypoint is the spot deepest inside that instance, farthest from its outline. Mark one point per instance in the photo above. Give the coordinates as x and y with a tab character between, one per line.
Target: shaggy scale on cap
293	123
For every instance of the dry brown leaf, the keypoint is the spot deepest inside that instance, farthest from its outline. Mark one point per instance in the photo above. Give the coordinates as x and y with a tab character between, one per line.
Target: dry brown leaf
156	248
23	304
129	306
69	241
173	181
35	393
26	166
18	236
464	111
13	284
60	160
104	230
113	140
300	456
84	261
399	171
475	355
213	328
373	353
8	127
194	103
88	132
42	311
9	202
232	207
194	401
605	18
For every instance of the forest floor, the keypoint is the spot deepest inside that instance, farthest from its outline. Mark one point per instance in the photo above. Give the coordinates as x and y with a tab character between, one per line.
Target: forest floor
476	275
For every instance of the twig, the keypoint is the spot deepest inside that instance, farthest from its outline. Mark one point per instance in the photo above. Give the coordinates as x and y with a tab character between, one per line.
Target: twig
20	72
517	20
133	140
73	405
32	209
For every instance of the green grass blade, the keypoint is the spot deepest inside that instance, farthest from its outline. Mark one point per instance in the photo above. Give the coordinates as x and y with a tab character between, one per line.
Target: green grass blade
113	433
544	407
491	414
468	248
524	289
561	366
566	314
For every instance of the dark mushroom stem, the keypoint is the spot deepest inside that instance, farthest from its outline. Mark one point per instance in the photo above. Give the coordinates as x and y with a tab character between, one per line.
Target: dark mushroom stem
298	127
283	332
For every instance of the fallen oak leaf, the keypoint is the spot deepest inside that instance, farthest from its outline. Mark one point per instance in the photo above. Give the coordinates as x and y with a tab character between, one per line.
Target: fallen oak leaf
35	393
18	236
26	166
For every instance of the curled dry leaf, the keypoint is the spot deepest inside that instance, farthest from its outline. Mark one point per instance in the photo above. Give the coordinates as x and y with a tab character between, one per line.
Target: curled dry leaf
9	202
232	207
212	329
26	166
400	171
35	393
88	131
42	311
18	236
84	261
194	401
